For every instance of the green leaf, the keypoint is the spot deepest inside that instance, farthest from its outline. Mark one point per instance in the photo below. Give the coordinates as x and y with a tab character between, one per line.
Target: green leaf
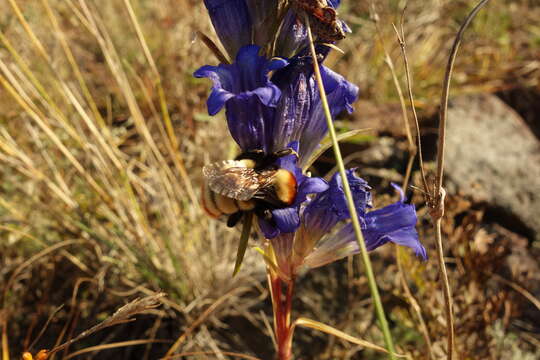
244	238
328	144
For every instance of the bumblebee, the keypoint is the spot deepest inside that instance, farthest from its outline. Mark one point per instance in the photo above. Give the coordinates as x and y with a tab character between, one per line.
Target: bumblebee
251	182
323	19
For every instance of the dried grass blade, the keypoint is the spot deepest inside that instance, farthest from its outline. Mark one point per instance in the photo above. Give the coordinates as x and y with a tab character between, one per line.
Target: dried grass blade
122	315
28	30
114	346
177	156
312	324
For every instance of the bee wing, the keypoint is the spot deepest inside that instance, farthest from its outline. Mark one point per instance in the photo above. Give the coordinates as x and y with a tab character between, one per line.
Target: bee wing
232	179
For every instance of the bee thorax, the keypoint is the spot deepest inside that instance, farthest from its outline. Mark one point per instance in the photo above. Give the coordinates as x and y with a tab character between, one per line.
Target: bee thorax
285	186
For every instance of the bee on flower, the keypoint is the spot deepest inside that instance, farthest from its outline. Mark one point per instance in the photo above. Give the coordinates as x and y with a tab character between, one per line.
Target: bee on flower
277	122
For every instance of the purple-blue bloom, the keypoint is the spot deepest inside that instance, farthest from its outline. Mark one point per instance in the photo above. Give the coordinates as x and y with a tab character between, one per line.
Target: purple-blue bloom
232	22
248	95
268	114
300	116
323	212
321	239
272	115
254	22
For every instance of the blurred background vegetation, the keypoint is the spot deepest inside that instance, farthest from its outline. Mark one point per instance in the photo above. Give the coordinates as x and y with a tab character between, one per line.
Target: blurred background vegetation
103	132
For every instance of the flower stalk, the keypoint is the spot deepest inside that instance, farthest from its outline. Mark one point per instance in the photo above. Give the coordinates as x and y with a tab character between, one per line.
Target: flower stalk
350	203
282	306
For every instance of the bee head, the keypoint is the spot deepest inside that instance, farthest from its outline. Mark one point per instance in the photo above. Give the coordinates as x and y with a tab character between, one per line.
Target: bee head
262	161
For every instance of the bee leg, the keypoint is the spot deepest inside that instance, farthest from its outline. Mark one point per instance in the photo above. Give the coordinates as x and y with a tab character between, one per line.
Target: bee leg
285	152
267	214
234	218
268	161
251	154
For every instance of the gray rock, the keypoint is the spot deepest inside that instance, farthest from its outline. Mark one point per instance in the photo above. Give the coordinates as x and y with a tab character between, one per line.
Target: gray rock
493	157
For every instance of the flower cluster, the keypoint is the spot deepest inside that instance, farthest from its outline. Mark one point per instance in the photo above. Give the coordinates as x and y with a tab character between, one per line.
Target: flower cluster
272	103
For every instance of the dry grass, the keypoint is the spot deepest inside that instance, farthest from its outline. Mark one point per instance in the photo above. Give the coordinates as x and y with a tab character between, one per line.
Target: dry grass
102	134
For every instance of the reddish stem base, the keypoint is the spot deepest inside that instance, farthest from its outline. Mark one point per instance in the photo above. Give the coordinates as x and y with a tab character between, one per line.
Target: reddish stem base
282	294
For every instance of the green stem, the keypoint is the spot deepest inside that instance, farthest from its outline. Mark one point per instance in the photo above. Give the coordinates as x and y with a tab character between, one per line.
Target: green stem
350	203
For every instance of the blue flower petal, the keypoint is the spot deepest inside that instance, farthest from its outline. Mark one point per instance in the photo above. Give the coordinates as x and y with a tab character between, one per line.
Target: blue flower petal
395	223
330	207
300	115
269	231
310	185
287	219
249	97
359	189
232	22
217	100
293	35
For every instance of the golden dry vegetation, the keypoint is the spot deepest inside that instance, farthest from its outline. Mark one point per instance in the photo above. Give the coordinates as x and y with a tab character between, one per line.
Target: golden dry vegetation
103	132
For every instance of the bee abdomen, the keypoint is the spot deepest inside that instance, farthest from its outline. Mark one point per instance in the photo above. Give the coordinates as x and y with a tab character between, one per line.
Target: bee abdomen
208	202
216	205
245	205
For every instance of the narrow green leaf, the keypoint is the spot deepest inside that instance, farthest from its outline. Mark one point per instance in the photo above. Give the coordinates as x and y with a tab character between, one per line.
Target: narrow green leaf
244	238
327	145
350	204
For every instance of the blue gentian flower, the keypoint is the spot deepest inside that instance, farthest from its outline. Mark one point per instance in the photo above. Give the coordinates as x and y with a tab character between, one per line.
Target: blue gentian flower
300	116
263	116
254	22
267	114
248	95
232	22
325	235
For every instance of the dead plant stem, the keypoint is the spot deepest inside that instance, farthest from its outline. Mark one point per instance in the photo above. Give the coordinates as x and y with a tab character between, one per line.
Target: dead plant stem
402	44
437	211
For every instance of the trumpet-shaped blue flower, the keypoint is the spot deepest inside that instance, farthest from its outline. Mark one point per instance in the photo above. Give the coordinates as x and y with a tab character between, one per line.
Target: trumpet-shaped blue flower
300	115
325	235
248	95
255	22
268	114
272	115
393	223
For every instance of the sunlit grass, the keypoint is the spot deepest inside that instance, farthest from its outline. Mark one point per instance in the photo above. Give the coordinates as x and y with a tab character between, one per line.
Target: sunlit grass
103	133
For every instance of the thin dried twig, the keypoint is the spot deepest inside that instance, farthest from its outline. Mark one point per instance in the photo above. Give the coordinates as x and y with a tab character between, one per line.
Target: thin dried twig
114	346
122	315
446	92
403	46
42	331
438	194
520	289
206	353
413	150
